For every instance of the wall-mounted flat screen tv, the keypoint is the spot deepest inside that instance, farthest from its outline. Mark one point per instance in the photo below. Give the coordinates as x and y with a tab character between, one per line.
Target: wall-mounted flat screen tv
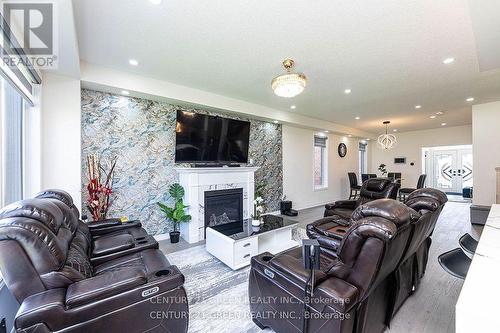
202	138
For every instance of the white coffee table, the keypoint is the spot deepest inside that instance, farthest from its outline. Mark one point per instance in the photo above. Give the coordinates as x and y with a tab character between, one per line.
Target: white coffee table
236	243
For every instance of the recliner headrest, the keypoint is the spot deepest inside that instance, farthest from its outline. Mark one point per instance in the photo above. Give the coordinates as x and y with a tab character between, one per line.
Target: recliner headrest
375	227
428	193
362	231
43	211
376	184
56	194
62	196
426	200
389	209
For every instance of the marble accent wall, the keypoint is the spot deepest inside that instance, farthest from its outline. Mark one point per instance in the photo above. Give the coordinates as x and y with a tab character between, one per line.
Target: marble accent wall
141	133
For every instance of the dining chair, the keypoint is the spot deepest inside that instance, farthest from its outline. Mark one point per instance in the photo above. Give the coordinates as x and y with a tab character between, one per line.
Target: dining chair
404	192
353	184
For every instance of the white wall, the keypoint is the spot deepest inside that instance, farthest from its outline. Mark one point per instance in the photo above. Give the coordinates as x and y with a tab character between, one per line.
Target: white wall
410	144
32	146
61	134
486	141
298	168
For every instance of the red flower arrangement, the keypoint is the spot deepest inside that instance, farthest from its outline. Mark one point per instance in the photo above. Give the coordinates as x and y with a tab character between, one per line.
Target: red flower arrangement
99	187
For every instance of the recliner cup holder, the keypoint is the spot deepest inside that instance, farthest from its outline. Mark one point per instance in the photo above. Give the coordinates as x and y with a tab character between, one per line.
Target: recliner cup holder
267	258
142	242
140	238
163	272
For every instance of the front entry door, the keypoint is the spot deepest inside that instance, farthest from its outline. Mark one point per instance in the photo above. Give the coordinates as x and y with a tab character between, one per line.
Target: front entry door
452	170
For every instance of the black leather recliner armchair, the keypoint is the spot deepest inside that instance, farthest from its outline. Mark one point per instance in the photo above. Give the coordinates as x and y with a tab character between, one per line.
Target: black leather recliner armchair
47	269
351	290
330	230
372	189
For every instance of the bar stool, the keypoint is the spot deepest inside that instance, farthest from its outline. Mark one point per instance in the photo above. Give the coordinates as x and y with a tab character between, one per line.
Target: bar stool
455	262
468	244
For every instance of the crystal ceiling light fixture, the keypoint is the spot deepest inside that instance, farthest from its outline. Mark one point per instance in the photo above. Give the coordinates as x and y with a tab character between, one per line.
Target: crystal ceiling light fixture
386	141
289	84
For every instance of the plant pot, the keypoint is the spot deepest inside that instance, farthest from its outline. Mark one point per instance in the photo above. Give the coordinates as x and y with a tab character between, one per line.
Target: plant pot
174	236
256	223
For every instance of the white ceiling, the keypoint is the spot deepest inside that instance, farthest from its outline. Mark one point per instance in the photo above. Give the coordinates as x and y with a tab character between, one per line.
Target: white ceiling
389	52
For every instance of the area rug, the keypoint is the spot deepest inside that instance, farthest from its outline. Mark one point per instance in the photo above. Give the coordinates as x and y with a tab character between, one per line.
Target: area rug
218	296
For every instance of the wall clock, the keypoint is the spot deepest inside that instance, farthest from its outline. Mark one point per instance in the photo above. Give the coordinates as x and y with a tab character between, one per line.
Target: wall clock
342	149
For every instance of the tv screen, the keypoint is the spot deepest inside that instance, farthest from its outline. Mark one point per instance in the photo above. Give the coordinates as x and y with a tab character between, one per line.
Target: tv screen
209	139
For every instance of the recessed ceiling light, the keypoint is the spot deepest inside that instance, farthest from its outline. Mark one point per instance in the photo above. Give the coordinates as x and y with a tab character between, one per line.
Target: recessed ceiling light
125	92
357	118
440	113
443	124
367	139
395	130
347	91
448	60
293	107
349	135
327	131
133	62
418	106
432	117
155	2
470	99
275	121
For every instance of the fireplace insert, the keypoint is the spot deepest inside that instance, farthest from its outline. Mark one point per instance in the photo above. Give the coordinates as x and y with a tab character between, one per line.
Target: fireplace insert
223	206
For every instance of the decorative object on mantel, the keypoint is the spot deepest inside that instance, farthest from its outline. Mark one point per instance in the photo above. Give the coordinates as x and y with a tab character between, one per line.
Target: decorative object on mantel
382	169
175	214
99	187
386	141
258	205
342	149
289	84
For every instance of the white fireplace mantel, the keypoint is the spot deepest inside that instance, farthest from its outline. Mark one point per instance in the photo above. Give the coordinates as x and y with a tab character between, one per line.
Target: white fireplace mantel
196	181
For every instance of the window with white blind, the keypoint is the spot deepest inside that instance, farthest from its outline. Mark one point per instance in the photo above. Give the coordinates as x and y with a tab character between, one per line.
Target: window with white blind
320	168
12	113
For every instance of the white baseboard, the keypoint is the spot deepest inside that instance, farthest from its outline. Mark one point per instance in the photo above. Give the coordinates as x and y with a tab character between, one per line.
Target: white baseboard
161	237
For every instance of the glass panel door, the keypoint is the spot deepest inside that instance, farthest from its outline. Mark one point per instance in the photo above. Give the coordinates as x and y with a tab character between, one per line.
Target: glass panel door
444	171
451	170
465	171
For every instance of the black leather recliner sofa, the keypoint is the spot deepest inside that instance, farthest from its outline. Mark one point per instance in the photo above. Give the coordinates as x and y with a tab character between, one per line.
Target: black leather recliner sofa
47	264
272	275
350	289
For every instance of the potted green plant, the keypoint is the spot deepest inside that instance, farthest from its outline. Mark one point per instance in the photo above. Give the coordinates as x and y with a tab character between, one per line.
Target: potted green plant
382	169
177	213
